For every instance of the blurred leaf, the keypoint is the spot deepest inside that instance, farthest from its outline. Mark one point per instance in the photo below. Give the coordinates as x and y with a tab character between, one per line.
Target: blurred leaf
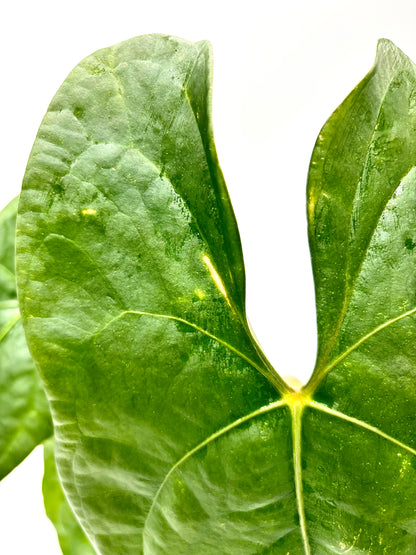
72	539
24	413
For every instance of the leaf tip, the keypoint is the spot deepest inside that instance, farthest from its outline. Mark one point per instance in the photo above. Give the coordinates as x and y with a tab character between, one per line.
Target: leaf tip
388	54
205	48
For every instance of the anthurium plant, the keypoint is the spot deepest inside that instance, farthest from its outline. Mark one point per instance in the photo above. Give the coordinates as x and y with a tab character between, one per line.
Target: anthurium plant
168	428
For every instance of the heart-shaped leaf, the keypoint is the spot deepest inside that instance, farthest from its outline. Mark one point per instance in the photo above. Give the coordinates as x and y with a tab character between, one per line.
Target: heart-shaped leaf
173	432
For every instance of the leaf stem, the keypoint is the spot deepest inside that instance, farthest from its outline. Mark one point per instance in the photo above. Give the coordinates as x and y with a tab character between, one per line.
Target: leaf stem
11	303
10	324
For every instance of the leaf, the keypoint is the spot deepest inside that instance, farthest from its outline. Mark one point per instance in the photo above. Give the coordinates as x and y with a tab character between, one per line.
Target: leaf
24	413
362	155
173	432
71	537
362	207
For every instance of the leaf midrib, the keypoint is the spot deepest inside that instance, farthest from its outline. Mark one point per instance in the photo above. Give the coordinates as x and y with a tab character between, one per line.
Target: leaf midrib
297	411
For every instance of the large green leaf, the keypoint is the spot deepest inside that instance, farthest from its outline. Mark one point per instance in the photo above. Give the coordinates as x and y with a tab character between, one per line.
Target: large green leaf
24	413
173	432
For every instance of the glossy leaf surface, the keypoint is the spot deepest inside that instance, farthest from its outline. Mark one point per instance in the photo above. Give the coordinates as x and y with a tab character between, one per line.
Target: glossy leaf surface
173	432
72	539
24	413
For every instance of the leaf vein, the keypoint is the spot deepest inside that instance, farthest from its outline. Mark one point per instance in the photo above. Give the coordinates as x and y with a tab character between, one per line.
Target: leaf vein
363	339
297	467
197	328
323	408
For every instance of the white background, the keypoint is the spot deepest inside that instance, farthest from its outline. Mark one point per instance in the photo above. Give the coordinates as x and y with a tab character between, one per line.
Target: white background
280	70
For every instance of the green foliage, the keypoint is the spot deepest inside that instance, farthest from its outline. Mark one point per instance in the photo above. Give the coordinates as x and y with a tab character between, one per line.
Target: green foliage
24	413
25	419
72	539
173	432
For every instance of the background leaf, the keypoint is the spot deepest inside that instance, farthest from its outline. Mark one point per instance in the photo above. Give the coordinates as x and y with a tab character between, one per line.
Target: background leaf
24	413
25	417
72	539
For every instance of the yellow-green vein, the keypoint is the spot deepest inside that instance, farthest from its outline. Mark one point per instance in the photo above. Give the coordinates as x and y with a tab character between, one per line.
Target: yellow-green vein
10	324
323	408
317	378
273	378
297	410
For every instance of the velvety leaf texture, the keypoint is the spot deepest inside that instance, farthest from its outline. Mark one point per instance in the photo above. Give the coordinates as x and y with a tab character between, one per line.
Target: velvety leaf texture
173	432
24	413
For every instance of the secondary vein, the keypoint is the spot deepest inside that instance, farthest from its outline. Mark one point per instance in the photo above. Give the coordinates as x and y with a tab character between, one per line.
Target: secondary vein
323	408
272	377
311	386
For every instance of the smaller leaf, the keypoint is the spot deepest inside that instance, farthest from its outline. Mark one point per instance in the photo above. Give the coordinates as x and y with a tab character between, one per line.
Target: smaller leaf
24	412
72	539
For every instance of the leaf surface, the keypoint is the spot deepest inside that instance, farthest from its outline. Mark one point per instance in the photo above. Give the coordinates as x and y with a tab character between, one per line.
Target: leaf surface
24	413
173	432
25	416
